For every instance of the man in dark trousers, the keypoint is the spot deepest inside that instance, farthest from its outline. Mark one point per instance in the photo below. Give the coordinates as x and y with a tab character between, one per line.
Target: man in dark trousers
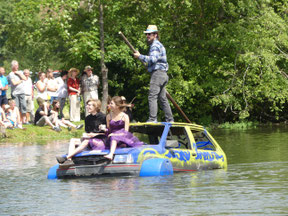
157	66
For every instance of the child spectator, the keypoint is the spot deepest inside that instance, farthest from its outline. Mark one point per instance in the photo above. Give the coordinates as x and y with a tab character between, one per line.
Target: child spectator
13	115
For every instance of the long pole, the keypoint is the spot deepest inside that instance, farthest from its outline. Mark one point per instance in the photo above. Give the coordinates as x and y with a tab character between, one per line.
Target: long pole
167	94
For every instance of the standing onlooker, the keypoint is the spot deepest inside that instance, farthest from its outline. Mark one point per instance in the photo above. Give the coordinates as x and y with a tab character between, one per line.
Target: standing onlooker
52	86
4	88
29	95
74	91
41	86
158	67
89	84
62	90
17	79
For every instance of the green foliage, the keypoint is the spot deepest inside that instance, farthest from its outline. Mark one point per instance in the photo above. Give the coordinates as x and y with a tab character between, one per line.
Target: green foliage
227	59
238	125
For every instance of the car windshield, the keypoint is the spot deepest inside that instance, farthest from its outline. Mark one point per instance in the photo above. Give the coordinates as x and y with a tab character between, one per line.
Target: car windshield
149	134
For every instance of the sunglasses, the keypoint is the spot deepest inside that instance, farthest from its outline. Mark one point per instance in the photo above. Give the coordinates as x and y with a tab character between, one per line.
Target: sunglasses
150	33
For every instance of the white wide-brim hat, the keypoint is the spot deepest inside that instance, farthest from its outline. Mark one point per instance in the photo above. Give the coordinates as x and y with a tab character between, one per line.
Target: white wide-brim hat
151	29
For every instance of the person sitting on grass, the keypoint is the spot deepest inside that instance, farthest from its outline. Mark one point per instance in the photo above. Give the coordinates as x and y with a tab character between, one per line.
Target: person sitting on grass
3	120
62	121
95	125
43	116
13	115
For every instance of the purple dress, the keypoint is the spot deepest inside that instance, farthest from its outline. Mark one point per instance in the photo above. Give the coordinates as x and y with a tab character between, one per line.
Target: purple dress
125	138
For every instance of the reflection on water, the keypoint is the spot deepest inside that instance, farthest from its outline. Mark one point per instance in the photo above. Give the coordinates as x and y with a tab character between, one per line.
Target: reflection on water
254	184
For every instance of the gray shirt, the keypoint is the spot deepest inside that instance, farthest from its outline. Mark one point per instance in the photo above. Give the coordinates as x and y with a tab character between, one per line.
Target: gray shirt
16	89
90	83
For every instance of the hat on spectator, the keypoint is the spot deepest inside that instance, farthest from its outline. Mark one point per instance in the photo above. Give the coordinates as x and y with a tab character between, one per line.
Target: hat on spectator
73	70
88	67
151	29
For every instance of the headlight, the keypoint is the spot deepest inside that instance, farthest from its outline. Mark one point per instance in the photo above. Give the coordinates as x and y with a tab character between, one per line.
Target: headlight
120	159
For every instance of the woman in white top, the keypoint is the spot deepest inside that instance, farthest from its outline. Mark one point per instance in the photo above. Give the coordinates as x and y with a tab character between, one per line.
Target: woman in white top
41	86
52	86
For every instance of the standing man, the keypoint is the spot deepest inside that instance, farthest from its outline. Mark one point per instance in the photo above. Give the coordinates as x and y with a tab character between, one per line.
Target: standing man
157	66
62	91
29	95
17	79
89	86
4	87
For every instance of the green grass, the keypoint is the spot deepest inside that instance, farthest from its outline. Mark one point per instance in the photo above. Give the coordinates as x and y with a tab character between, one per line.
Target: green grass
36	134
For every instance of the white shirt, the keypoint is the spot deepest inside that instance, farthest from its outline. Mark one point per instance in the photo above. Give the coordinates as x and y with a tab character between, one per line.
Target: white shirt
28	86
62	91
51	83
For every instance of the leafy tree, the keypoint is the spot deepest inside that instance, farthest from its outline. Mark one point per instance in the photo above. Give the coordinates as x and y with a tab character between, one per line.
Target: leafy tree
228	59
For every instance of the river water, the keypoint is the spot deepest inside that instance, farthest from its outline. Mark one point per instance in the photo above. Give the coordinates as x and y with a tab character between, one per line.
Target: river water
255	182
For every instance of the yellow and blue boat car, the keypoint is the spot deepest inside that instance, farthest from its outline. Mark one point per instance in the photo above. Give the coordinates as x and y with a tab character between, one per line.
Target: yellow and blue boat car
168	148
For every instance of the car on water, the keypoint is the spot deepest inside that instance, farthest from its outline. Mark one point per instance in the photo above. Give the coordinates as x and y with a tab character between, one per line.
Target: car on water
167	148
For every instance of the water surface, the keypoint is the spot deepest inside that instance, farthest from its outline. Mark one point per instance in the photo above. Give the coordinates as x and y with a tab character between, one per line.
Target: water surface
255	182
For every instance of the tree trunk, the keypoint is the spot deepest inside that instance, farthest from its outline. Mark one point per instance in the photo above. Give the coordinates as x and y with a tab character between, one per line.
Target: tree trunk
104	69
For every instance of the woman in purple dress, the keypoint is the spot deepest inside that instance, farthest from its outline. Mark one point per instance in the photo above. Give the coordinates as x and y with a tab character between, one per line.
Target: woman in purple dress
118	128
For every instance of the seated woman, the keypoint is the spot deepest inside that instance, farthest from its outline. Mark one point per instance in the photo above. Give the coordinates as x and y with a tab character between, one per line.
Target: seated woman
43	116
118	127
13	115
62	121
93	137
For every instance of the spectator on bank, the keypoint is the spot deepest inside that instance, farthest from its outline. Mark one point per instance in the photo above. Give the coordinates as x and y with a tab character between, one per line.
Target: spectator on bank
62	121
17	79
4	87
13	115
43	115
29	95
41	87
89	85
52	86
3	120
62	91
74	91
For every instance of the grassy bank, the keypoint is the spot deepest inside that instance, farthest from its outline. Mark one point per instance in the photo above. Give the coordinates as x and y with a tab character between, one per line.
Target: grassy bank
35	134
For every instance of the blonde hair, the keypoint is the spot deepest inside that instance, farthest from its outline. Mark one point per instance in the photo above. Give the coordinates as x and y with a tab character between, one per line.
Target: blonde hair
96	103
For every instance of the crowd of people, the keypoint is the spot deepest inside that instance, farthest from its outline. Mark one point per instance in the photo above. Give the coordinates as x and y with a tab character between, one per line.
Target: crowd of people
102	131
51	94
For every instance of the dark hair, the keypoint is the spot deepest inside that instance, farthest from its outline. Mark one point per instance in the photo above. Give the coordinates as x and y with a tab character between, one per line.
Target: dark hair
63	73
119	102
53	105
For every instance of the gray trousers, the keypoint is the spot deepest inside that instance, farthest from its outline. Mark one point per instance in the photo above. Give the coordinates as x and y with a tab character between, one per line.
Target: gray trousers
62	104
158	81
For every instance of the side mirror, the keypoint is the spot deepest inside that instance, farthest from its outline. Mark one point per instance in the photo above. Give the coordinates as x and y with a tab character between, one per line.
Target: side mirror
172	144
